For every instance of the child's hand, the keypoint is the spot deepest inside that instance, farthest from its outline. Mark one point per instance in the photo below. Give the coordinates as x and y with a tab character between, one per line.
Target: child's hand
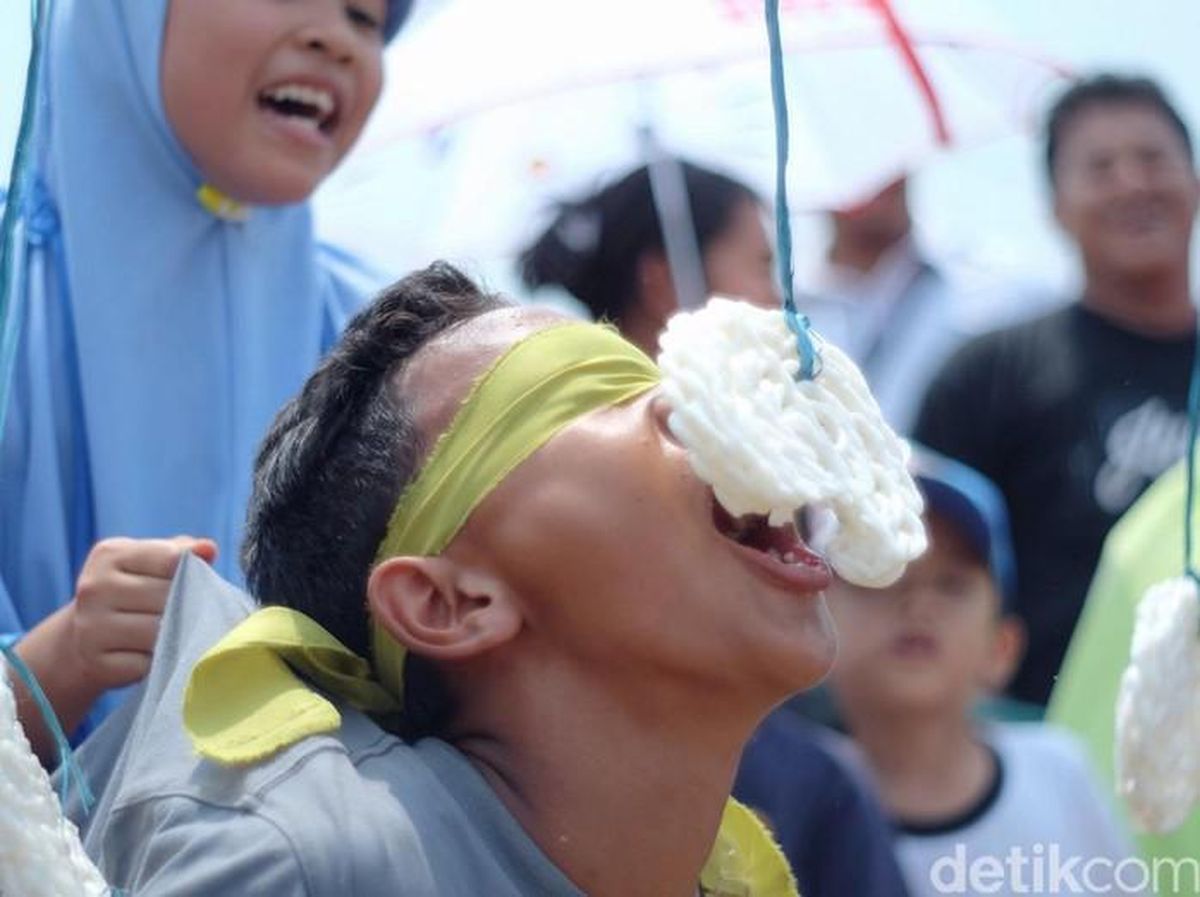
104	637
118	604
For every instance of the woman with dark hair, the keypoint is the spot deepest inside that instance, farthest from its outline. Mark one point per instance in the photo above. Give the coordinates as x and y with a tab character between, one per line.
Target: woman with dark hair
607	250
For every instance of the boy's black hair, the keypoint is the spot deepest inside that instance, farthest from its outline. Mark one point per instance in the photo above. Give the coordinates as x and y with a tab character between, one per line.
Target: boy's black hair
1107	90
334	463
593	247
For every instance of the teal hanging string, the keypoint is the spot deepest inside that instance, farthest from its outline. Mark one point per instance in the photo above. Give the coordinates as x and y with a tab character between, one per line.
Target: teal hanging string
69	772
810	359
14	204
1193	426
14	201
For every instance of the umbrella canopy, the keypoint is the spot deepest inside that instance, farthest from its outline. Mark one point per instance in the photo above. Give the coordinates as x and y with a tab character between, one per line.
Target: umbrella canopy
492	110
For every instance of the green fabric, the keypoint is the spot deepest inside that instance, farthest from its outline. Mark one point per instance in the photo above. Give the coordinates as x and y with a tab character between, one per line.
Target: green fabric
1145	547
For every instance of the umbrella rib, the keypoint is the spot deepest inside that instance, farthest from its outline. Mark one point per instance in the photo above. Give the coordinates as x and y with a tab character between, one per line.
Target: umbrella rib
903	43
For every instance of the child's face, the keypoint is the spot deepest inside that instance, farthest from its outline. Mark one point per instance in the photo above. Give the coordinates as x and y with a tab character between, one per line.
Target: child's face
267	96
932	642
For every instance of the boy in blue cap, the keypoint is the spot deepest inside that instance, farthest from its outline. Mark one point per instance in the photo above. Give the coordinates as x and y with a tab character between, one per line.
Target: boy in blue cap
972	804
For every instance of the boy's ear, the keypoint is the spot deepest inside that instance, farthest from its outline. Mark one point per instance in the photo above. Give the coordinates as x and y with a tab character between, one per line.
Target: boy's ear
441	610
1008	647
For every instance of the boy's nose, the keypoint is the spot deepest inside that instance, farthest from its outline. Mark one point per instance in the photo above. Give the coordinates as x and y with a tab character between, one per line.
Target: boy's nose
916	602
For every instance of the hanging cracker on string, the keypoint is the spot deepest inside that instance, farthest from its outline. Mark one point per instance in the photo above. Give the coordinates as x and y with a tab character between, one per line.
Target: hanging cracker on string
40	853
771	443
1158	708
1158	702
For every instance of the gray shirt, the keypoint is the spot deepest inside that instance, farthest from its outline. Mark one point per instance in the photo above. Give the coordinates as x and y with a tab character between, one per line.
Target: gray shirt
355	813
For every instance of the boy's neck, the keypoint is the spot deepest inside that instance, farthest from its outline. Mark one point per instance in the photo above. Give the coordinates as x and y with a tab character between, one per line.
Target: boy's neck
623	804
929	767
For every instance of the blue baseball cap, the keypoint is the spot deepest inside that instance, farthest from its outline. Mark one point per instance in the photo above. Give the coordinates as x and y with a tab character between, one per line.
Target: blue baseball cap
397	13
975	506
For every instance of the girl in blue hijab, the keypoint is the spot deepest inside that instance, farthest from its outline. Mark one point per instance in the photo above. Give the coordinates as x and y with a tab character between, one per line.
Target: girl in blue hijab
172	298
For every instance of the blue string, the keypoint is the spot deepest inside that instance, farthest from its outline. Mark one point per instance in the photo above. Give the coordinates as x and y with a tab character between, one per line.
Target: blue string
15	200
1193	427
69	771
69	767
810	359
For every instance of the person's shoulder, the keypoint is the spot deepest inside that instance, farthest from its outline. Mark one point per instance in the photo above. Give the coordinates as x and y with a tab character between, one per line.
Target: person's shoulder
1037	330
784	739
309	805
177	843
789	757
1049	750
303	820
1052	776
1006	354
316	770
350	283
1045	767
347	267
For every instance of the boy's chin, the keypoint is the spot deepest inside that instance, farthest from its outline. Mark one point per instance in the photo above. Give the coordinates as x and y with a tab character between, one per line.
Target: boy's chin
804	666
925	698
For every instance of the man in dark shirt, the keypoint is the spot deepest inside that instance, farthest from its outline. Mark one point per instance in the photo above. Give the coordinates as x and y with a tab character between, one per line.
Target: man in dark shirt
1073	414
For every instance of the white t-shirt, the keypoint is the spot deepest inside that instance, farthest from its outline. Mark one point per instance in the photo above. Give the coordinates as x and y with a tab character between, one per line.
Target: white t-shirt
1043	828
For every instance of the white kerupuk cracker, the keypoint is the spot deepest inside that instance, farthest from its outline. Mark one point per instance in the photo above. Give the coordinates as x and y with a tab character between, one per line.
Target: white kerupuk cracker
768	444
40	853
1158	708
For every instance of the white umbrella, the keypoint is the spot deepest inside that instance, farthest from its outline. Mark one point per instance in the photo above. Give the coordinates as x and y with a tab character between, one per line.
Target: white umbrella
493	109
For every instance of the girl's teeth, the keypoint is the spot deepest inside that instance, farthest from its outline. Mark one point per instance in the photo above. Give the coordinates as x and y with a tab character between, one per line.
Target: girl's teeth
300	93
789	558
774	552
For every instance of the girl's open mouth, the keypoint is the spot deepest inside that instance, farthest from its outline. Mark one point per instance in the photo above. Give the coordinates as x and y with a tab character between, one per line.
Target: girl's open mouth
305	104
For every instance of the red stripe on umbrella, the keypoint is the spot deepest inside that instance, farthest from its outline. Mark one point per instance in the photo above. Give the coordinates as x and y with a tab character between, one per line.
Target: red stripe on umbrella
903	43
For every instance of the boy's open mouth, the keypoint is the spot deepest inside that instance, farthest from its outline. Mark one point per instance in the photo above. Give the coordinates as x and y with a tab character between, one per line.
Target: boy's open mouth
316	107
782	543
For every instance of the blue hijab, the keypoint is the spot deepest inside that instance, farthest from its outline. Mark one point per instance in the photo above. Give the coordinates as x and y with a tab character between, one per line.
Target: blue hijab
157	340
